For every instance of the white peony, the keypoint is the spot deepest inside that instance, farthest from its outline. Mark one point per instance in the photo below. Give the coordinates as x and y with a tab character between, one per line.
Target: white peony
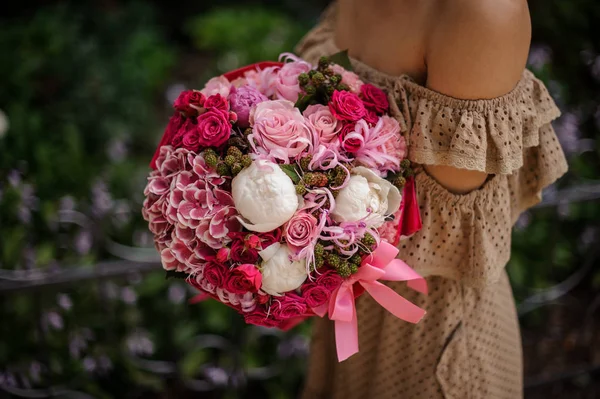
264	195
279	273
366	197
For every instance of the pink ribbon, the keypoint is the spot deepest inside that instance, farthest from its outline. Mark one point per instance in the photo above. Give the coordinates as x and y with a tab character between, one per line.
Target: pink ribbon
410	217
380	265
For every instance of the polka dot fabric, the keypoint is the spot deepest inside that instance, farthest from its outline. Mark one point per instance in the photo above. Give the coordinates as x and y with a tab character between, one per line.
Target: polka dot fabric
468	344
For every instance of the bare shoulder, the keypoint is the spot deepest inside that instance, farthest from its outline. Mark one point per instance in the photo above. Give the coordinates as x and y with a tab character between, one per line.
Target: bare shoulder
478	48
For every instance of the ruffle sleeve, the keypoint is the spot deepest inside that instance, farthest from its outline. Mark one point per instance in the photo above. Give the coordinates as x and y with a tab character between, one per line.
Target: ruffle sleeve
485	135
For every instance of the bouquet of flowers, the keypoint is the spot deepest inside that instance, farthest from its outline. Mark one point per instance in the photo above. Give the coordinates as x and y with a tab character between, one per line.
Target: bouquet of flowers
275	190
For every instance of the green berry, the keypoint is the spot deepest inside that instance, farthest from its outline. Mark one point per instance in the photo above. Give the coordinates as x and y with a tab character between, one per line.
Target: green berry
368	240
223	170
405	164
310	89
248	131
235	152
355	259
400	181
343	87
300	189
323	62
303	79
318	78
230	160
304	162
353	268
319	250
311	73
335	79
344	270
409	172
211	159
319	262
329	89
246	160
328	72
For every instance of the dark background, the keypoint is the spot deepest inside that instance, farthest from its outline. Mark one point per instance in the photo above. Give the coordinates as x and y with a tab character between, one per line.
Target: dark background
85	311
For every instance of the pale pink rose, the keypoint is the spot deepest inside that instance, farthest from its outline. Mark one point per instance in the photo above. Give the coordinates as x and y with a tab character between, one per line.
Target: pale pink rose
349	78
301	231
263	80
324	124
286	83
279	130
218	85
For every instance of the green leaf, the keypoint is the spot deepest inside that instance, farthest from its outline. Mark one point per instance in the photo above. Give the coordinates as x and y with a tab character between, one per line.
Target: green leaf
290	170
342	59
174	274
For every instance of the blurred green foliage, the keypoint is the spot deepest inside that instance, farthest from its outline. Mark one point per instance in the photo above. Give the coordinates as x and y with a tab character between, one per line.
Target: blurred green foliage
83	93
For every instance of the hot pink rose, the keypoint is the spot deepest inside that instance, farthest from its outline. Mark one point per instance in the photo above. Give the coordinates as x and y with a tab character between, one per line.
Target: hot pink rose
288	306
349	144
286	82
218	85
330	280
315	295
223	255
346	106
279	129
259	317
323	122
189	102
214	273
348	78
301	230
244	278
374	99
240	252
242	100
213	128
217	102
186	128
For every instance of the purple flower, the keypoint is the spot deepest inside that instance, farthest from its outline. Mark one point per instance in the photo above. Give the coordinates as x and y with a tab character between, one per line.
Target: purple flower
242	99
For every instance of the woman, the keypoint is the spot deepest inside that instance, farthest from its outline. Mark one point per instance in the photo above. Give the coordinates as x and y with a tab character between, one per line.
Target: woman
478	129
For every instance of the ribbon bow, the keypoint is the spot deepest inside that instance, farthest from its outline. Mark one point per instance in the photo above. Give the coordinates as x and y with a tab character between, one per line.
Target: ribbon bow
380	265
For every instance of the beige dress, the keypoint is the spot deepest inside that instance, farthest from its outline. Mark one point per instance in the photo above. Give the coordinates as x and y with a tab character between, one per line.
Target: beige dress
468	345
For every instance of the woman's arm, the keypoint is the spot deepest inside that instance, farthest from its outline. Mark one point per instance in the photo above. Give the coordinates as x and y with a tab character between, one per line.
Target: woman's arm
478	50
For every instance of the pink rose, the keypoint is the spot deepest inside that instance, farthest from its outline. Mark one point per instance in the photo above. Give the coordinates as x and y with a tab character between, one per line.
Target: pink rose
371	117
286	82
347	106
259	317
288	306
315	295
330	280
189	102
217	102
323	122
218	85
242	100
374	99
214	273
279	129
213	128
350	79
301	230
244	278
